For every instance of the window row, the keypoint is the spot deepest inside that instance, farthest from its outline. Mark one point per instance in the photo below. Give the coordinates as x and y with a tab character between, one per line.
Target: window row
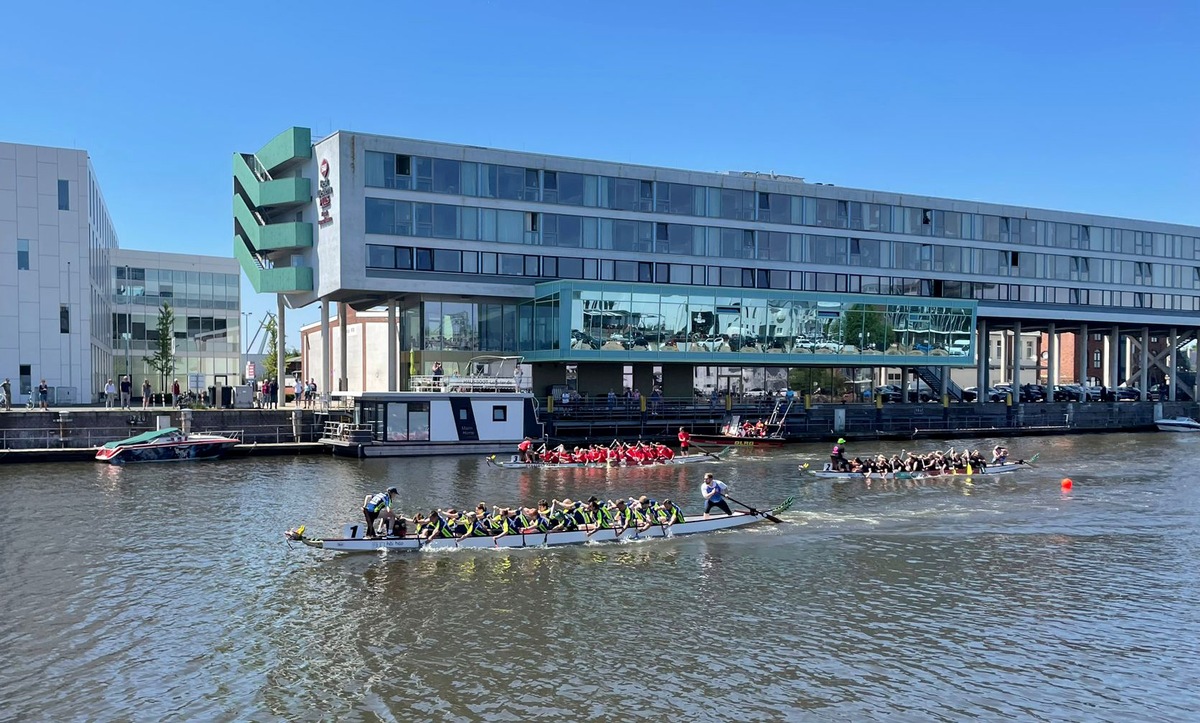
405	258
428	220
483	180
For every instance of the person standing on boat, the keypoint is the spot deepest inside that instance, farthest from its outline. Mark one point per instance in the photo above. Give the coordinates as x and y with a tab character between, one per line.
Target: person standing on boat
526	450
837	456
999	454
379	505
685	441
714	494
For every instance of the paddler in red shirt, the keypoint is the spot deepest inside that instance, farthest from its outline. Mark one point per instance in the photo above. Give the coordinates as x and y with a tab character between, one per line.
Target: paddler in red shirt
526	450
685	440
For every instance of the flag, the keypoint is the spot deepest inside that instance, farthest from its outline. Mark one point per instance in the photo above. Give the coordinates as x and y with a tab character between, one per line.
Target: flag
412	363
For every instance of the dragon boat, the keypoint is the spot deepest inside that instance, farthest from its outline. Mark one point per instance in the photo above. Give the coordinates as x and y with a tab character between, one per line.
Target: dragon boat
515	463
992	469
353	537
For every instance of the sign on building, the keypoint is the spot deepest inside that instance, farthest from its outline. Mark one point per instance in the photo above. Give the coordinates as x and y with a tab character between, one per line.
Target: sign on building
195	381
250	370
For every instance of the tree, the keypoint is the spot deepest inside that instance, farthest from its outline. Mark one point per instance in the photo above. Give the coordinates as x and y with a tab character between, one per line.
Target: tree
163	360
864	327
271	361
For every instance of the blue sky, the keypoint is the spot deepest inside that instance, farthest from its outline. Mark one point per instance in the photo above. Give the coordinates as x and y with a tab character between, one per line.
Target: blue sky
1082	106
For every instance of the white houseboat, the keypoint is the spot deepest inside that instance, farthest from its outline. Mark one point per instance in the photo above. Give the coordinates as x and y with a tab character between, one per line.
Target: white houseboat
483	413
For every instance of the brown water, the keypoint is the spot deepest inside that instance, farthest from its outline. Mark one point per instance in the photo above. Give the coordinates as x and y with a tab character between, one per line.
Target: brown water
167	592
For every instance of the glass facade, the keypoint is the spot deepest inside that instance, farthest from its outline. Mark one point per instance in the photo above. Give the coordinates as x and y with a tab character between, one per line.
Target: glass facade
590	321
206	333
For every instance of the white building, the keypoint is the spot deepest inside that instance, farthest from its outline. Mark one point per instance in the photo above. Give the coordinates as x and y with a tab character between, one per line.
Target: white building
59	271
55	240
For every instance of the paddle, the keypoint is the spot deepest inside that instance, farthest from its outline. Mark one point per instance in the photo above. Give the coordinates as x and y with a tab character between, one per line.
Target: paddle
753	511
705	451
1029	462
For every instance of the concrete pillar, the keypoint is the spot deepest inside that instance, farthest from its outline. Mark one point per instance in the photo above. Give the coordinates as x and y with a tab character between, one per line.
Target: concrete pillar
393	368
1144	377
343	359
1114	372
1052	361
326	345
1081	355
280	351
982	364
1018	352
1172	340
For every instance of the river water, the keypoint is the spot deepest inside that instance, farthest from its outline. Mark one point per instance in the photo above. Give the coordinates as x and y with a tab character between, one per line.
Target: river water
167	592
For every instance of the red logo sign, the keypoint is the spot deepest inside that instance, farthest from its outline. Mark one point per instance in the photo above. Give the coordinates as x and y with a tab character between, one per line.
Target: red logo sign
324	168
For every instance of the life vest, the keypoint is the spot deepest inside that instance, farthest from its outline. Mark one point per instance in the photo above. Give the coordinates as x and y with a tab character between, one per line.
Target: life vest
378	502
837	450
672	514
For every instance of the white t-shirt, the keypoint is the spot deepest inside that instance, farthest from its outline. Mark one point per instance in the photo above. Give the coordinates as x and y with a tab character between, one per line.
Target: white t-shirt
706	488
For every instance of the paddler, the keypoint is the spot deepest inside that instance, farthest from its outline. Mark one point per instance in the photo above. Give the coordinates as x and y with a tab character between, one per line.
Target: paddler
525	448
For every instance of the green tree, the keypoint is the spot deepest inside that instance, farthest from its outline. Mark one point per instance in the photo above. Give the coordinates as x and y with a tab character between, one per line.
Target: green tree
863	327
271	361
163	360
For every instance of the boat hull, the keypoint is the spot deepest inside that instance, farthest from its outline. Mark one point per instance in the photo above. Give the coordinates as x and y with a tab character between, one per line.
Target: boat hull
690	526
925	474
189	451
690	459
721	440
1179	424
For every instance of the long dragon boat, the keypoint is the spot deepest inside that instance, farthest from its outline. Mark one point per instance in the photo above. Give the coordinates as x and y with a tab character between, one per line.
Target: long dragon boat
515	463
353	535
991	469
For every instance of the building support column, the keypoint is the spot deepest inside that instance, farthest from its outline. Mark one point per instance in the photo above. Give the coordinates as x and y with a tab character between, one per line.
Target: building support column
1144	377
1052	361
1081	355
981	362
393	367
1172	340
326	354
1016	360
343	358
1114	359
280	352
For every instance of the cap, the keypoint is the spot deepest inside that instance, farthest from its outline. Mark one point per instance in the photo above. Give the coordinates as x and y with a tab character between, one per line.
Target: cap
841	441
393	491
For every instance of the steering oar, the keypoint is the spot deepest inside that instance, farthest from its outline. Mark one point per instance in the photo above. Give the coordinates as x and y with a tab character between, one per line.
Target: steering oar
753	511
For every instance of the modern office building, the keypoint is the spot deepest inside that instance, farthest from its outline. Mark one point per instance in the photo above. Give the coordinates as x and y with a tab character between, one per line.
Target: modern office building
204	295
607	274
55	241
64	277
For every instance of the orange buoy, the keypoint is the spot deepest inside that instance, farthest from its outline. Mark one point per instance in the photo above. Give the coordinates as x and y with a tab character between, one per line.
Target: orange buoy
1067	483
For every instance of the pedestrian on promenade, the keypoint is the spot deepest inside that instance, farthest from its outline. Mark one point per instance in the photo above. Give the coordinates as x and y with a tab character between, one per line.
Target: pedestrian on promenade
147	391
110	394
44	395
6	388
126	391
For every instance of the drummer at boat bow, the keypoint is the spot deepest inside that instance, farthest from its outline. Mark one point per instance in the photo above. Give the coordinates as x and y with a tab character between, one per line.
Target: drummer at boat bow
714	494
837	456
380	506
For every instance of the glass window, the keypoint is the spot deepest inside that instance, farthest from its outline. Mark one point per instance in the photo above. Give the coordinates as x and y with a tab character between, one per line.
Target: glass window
23	256
829	250
424	259
447	260
470	262
734	204
626	194
445	221
404	257
825	212
64	195
64	319
572	189
502	182
532	264
447	176
381	257
680	198
487	263
511	265
570	268
626	270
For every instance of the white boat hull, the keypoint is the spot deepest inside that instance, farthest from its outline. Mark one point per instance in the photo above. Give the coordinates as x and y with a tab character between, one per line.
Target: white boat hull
690	526
925	474
1178	424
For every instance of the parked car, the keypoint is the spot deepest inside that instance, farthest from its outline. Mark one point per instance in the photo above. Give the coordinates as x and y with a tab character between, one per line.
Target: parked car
1127	394
970	394
1033	393
889	393
1072	393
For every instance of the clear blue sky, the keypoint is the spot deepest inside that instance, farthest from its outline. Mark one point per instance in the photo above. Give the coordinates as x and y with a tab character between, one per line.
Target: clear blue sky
1082	106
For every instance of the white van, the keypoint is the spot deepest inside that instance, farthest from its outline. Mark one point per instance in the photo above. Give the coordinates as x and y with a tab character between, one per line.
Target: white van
962	347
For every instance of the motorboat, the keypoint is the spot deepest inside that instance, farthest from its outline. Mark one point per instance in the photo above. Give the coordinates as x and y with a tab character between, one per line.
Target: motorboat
168	444
1178	424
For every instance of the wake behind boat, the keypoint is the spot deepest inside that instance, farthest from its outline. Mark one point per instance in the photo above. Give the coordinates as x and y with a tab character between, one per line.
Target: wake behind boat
515	462
353	539
168	444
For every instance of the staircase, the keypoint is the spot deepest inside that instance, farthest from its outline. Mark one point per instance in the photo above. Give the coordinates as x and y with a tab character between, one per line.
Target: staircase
933	377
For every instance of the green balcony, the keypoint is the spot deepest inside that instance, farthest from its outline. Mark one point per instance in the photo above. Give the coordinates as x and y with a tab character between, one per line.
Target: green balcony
292	145
278	280
268	194
272	236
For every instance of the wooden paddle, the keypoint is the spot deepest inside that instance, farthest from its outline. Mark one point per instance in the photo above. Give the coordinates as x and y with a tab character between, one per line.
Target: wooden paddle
753	511
705	451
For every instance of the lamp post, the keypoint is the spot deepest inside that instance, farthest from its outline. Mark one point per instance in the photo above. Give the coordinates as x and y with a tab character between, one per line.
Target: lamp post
70	354
128	327
245	355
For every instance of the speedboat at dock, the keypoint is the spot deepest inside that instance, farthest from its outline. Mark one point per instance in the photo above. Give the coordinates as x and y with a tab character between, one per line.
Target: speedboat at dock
169	444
